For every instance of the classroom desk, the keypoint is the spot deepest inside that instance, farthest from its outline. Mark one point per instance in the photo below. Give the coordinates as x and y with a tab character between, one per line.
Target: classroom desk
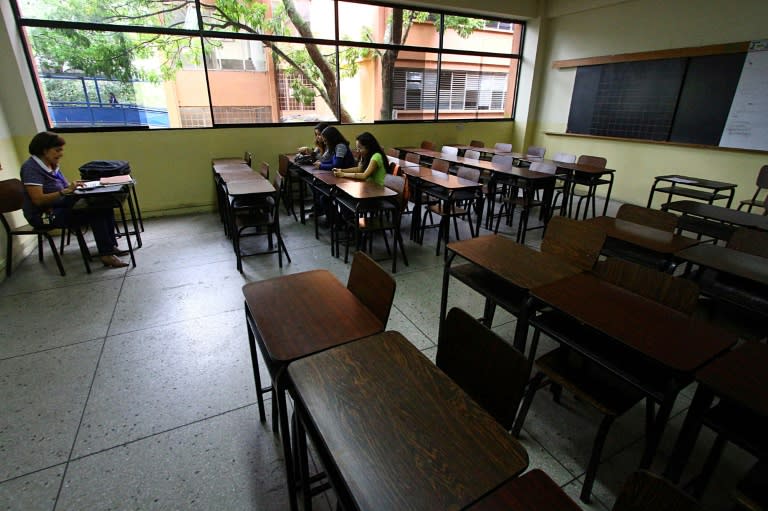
653	347
290	317
113	196
527	180
657	246
421	178
733	262
710	190
533	491
482	150
395	432
402	163
481	165
587	175
715	221
740	380
503	272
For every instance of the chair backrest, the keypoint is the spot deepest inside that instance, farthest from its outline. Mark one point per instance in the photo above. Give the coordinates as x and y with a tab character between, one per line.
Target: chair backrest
393	168
593	161
440	165
577	242
372	285
545	167
535	151
644	491
762	177
486	366
565	157
449	150
656	218
503	160
282	165
264	170
393	152
11	195
473	155
502	146
426	144
750	241
412	157
248	158
397	183
675	292
477	143
468	173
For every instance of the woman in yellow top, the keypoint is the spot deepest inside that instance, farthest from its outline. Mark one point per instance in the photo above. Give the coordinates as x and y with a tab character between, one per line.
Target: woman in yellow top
372	164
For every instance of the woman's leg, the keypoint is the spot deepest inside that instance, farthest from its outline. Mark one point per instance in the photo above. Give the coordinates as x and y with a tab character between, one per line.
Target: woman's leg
102	221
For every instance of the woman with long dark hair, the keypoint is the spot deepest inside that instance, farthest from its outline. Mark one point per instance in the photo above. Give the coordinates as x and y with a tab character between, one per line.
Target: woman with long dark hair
372	165
338	146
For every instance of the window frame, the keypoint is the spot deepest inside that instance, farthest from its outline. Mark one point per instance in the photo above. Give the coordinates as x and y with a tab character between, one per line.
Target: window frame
200	33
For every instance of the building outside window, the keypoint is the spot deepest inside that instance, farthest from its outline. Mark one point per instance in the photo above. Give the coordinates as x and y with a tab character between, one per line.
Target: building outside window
182	63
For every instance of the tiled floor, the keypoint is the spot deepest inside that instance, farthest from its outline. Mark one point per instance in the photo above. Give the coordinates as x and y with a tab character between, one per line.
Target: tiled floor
132	389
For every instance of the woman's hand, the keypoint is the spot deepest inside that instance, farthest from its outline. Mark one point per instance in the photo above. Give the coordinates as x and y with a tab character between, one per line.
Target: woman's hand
338	172
304	150
316	164
71	187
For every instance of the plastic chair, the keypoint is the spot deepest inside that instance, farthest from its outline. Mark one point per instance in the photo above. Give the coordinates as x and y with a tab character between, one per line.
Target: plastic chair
655	218
457	204
563	368
426	144
12	199
535	152
486	366
472	155
264	170
590	181
449	150
523	198
477	143
393	152
248	158
762	184
502	146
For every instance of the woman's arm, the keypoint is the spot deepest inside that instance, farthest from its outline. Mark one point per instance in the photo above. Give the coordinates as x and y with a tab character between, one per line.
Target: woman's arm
356	173
42	200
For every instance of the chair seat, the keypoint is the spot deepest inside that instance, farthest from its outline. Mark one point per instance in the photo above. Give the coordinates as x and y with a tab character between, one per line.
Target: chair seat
439	209
603	391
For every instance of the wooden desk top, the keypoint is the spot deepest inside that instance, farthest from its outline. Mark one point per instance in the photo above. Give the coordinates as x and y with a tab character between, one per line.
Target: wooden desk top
734	262
584	169
441	179
225	161
533	491
486	150
740	376
401	433
520	265
524	173
656	240
719	213
240	175
458	160
250	187
362	190
696	181
402	163
221	168
303	313
660	333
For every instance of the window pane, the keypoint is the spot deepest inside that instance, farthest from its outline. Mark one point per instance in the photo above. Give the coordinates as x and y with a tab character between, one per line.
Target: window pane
376	24
414	86
273	17
476	87
78	69
305	76
477	34
168	13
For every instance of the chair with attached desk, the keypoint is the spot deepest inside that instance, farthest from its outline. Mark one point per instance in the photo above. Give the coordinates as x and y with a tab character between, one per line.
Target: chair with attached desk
655	218
762	184
11	200
453	205
589	382
525	199
486	366
590	182
260	217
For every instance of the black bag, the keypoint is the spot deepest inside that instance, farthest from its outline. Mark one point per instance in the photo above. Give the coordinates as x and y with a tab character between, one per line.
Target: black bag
95	170
304	159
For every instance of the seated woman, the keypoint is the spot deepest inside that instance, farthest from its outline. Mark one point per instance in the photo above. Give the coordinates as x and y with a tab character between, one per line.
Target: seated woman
320	151
338	147
372	166
48	198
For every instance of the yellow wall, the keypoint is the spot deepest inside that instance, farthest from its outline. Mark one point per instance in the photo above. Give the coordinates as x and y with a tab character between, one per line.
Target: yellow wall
612	27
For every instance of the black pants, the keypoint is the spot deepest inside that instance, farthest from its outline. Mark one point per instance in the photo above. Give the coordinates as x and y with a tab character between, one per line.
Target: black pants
101	221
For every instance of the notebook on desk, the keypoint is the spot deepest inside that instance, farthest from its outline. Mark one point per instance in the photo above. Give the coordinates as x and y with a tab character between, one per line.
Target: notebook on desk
116	180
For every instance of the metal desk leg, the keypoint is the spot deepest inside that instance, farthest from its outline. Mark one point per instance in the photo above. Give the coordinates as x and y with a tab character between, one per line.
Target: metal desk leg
444	294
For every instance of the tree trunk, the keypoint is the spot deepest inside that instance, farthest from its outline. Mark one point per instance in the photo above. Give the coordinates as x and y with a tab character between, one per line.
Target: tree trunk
388	64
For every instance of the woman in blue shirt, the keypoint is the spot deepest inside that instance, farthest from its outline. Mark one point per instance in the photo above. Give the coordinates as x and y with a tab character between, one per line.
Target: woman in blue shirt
372	166
338	146
48	198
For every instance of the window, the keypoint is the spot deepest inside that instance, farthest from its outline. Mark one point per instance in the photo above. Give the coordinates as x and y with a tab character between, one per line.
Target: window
186	63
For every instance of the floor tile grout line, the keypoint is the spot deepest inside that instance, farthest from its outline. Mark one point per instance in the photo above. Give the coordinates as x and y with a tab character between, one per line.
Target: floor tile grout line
87	398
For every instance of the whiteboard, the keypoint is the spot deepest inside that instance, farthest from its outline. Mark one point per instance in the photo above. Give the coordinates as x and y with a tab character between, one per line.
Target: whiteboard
747	123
